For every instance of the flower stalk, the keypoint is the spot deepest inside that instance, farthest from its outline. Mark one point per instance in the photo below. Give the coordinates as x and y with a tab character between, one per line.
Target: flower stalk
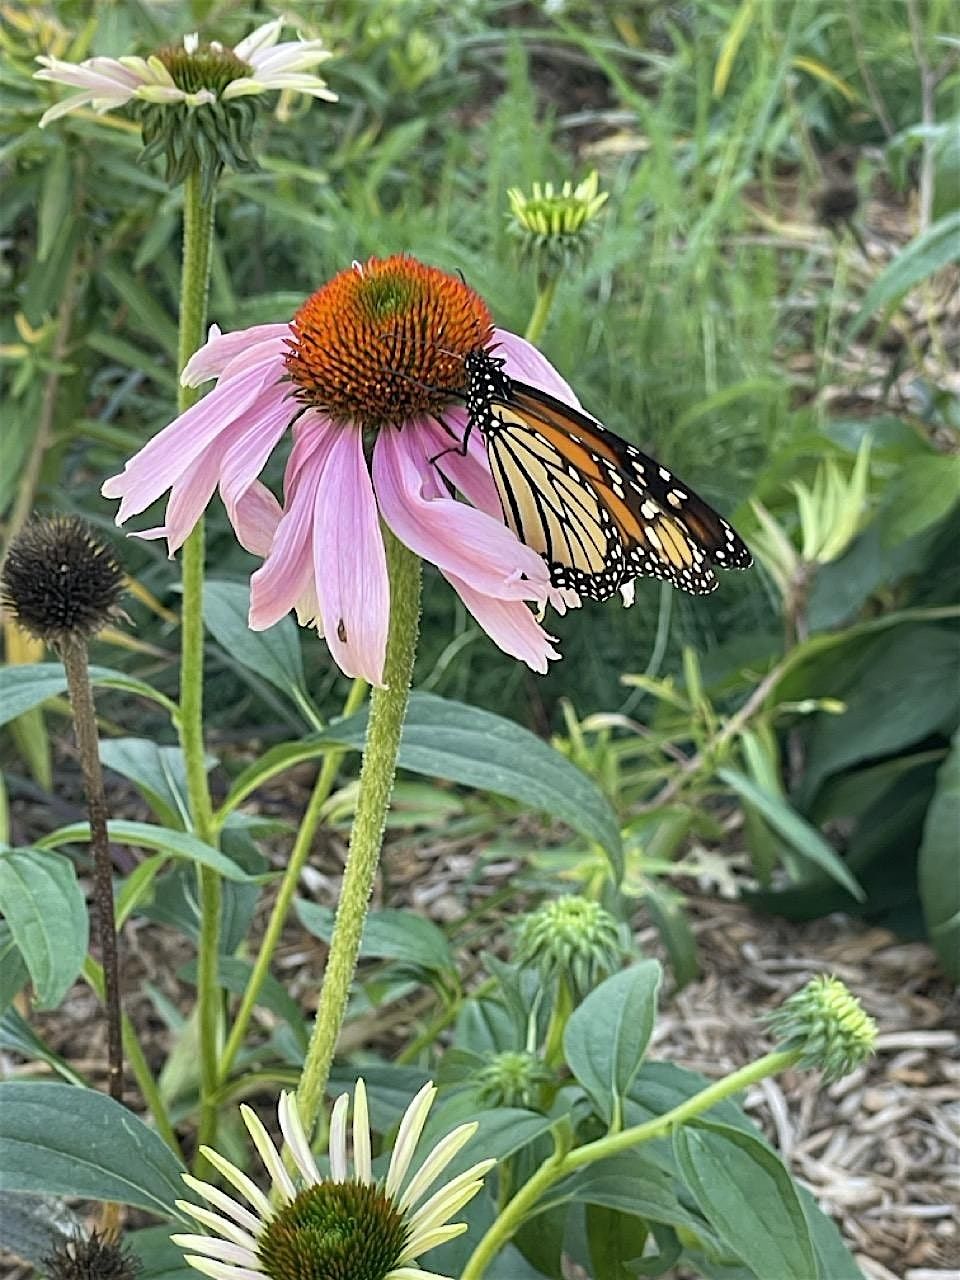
559	1166
73	653
546	292
195	282
281	908
388	708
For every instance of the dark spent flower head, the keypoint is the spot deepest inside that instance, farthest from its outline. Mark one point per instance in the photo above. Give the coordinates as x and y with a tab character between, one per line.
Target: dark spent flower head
59	581
828	1023
96	1257
384	341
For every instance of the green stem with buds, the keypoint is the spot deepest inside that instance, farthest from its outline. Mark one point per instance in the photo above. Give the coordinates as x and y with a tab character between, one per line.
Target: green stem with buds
194	285
303	843
559	1165
388	708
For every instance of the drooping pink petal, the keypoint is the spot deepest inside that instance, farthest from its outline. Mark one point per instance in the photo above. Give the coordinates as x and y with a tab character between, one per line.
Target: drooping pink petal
287	572
221	349
524	362
510	624
165	458
468	471
459	539
350	564
188	501
310	434
255	516
250	445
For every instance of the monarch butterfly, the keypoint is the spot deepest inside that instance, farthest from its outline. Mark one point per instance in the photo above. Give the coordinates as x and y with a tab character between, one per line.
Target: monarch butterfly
599	511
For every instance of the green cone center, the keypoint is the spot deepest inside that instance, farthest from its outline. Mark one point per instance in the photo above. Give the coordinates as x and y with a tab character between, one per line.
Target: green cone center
207	67
334	1231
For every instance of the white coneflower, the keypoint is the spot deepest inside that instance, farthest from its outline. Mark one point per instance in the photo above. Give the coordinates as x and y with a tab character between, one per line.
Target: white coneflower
348	1226
196	74
196	102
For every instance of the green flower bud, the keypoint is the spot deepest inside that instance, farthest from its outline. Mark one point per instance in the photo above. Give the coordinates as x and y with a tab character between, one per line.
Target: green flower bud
555	227
828	1024
573	938
513	1079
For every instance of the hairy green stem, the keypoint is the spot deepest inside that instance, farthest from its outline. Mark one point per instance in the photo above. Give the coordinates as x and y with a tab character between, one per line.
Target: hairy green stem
303	843
541	308
194	285
559	1166
388	707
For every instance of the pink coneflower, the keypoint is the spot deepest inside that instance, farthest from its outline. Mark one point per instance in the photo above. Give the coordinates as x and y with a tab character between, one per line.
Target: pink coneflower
360	374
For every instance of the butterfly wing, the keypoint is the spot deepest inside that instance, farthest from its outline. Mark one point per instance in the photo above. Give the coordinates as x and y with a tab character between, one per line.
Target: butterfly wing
598	510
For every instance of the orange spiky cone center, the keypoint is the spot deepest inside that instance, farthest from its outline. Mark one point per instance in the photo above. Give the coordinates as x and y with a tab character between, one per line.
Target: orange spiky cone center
384	341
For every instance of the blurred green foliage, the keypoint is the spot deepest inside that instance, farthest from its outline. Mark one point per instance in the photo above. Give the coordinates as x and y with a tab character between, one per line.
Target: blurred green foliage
770	297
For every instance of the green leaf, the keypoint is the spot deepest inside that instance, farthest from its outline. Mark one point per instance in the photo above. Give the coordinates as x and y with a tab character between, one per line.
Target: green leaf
29	685
612	1237
277	759
607	1035
58	1139
923	491
444	739
631	1184
898	690
748	1197
660	1087
56	198
144	313
47	915
161	1259
31	1226
388	935
939	876
13	972
129	355
836	1261
144	835
500	1134
798	833
938	246
234	974
17	1036
272	654
157	771
667	910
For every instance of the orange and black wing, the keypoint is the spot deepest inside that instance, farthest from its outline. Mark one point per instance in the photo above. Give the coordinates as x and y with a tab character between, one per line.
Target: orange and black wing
599	511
